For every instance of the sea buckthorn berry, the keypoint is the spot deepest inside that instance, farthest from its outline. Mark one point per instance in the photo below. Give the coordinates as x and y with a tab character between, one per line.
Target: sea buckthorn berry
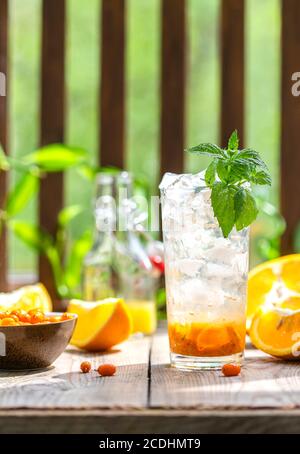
37	317
85	367
4	315
231	370
66	316
22	315
107	370
8	321
54	319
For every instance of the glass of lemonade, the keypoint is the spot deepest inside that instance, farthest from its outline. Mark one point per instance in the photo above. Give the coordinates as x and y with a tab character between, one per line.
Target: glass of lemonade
206	277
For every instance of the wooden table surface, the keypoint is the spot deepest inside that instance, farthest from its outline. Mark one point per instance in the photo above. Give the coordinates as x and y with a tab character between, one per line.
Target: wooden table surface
147	396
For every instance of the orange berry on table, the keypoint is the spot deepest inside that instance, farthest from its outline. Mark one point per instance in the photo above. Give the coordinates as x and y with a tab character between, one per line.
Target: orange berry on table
107	370
85	367
8	321
231	370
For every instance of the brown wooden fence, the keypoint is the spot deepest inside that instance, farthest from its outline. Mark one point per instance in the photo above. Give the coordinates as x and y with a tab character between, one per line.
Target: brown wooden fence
173	72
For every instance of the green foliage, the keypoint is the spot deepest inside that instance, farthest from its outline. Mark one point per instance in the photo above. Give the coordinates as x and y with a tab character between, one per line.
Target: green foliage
268	228
20	195
56	158
226	175
65	261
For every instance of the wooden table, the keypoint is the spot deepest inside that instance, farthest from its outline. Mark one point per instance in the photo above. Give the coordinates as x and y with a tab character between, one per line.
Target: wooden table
147	396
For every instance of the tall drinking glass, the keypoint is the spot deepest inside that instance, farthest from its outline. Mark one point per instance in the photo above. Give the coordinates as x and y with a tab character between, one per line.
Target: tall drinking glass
206	278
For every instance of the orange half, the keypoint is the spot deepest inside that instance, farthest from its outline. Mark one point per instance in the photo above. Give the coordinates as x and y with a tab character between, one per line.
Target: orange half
100	324
283	270
276	331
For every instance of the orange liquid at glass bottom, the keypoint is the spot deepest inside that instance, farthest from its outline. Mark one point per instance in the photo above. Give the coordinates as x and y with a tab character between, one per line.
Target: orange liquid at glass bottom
207	339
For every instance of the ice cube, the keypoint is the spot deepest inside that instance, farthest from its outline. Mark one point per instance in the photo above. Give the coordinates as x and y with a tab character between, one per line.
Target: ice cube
182	181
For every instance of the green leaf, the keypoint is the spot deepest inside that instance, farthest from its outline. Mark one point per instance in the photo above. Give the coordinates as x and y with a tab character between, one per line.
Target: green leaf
251	157
20	195
233	142
223	169
4	164
222	199
56	157
210	174
90	172
261	177
74	265
67	214
31	234
245	208
208	149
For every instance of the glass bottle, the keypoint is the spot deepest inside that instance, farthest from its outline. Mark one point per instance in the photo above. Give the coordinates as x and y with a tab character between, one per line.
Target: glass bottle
137	279
98	274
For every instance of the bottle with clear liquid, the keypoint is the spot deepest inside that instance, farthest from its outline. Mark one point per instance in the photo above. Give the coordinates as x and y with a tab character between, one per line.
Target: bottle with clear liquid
137	280
98	280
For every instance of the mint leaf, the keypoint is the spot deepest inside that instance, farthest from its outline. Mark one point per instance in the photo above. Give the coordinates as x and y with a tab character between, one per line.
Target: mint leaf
245	208
251	156
233	142
231	198
210	174
261	177
222	199
208	149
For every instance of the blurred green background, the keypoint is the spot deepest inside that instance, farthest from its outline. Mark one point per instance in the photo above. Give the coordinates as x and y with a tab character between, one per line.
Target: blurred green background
142	85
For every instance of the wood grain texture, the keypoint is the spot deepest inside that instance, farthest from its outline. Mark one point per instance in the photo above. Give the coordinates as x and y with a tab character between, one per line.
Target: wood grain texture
290	119
173	75
112	90
155	399
52	119
153	421
232	67
65	386
3	135
264	383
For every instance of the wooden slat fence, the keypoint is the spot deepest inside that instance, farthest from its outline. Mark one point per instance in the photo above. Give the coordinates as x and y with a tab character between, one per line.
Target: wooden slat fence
173	80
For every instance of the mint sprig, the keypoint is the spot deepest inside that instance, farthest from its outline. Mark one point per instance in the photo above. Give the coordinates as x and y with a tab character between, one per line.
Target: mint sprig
227	174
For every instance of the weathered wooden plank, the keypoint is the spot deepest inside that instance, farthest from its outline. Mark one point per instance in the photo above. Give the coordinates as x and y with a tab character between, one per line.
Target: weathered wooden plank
112	104
290	119
173	72
264	383
52	119
3	134
232	67
64	386
152	421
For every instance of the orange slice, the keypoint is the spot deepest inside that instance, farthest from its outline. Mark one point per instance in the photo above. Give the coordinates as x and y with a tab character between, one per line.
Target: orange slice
27	298
276	331
100	324
283	271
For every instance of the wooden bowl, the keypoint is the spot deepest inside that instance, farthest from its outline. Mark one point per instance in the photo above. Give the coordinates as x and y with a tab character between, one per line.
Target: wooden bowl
34	346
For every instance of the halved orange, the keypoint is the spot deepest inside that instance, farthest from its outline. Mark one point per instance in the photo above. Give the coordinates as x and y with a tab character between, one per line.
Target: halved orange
100	324
281	272
276	331
29	297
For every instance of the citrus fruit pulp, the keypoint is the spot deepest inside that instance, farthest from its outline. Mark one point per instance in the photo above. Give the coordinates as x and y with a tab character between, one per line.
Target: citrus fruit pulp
26	298
273	281
276	331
